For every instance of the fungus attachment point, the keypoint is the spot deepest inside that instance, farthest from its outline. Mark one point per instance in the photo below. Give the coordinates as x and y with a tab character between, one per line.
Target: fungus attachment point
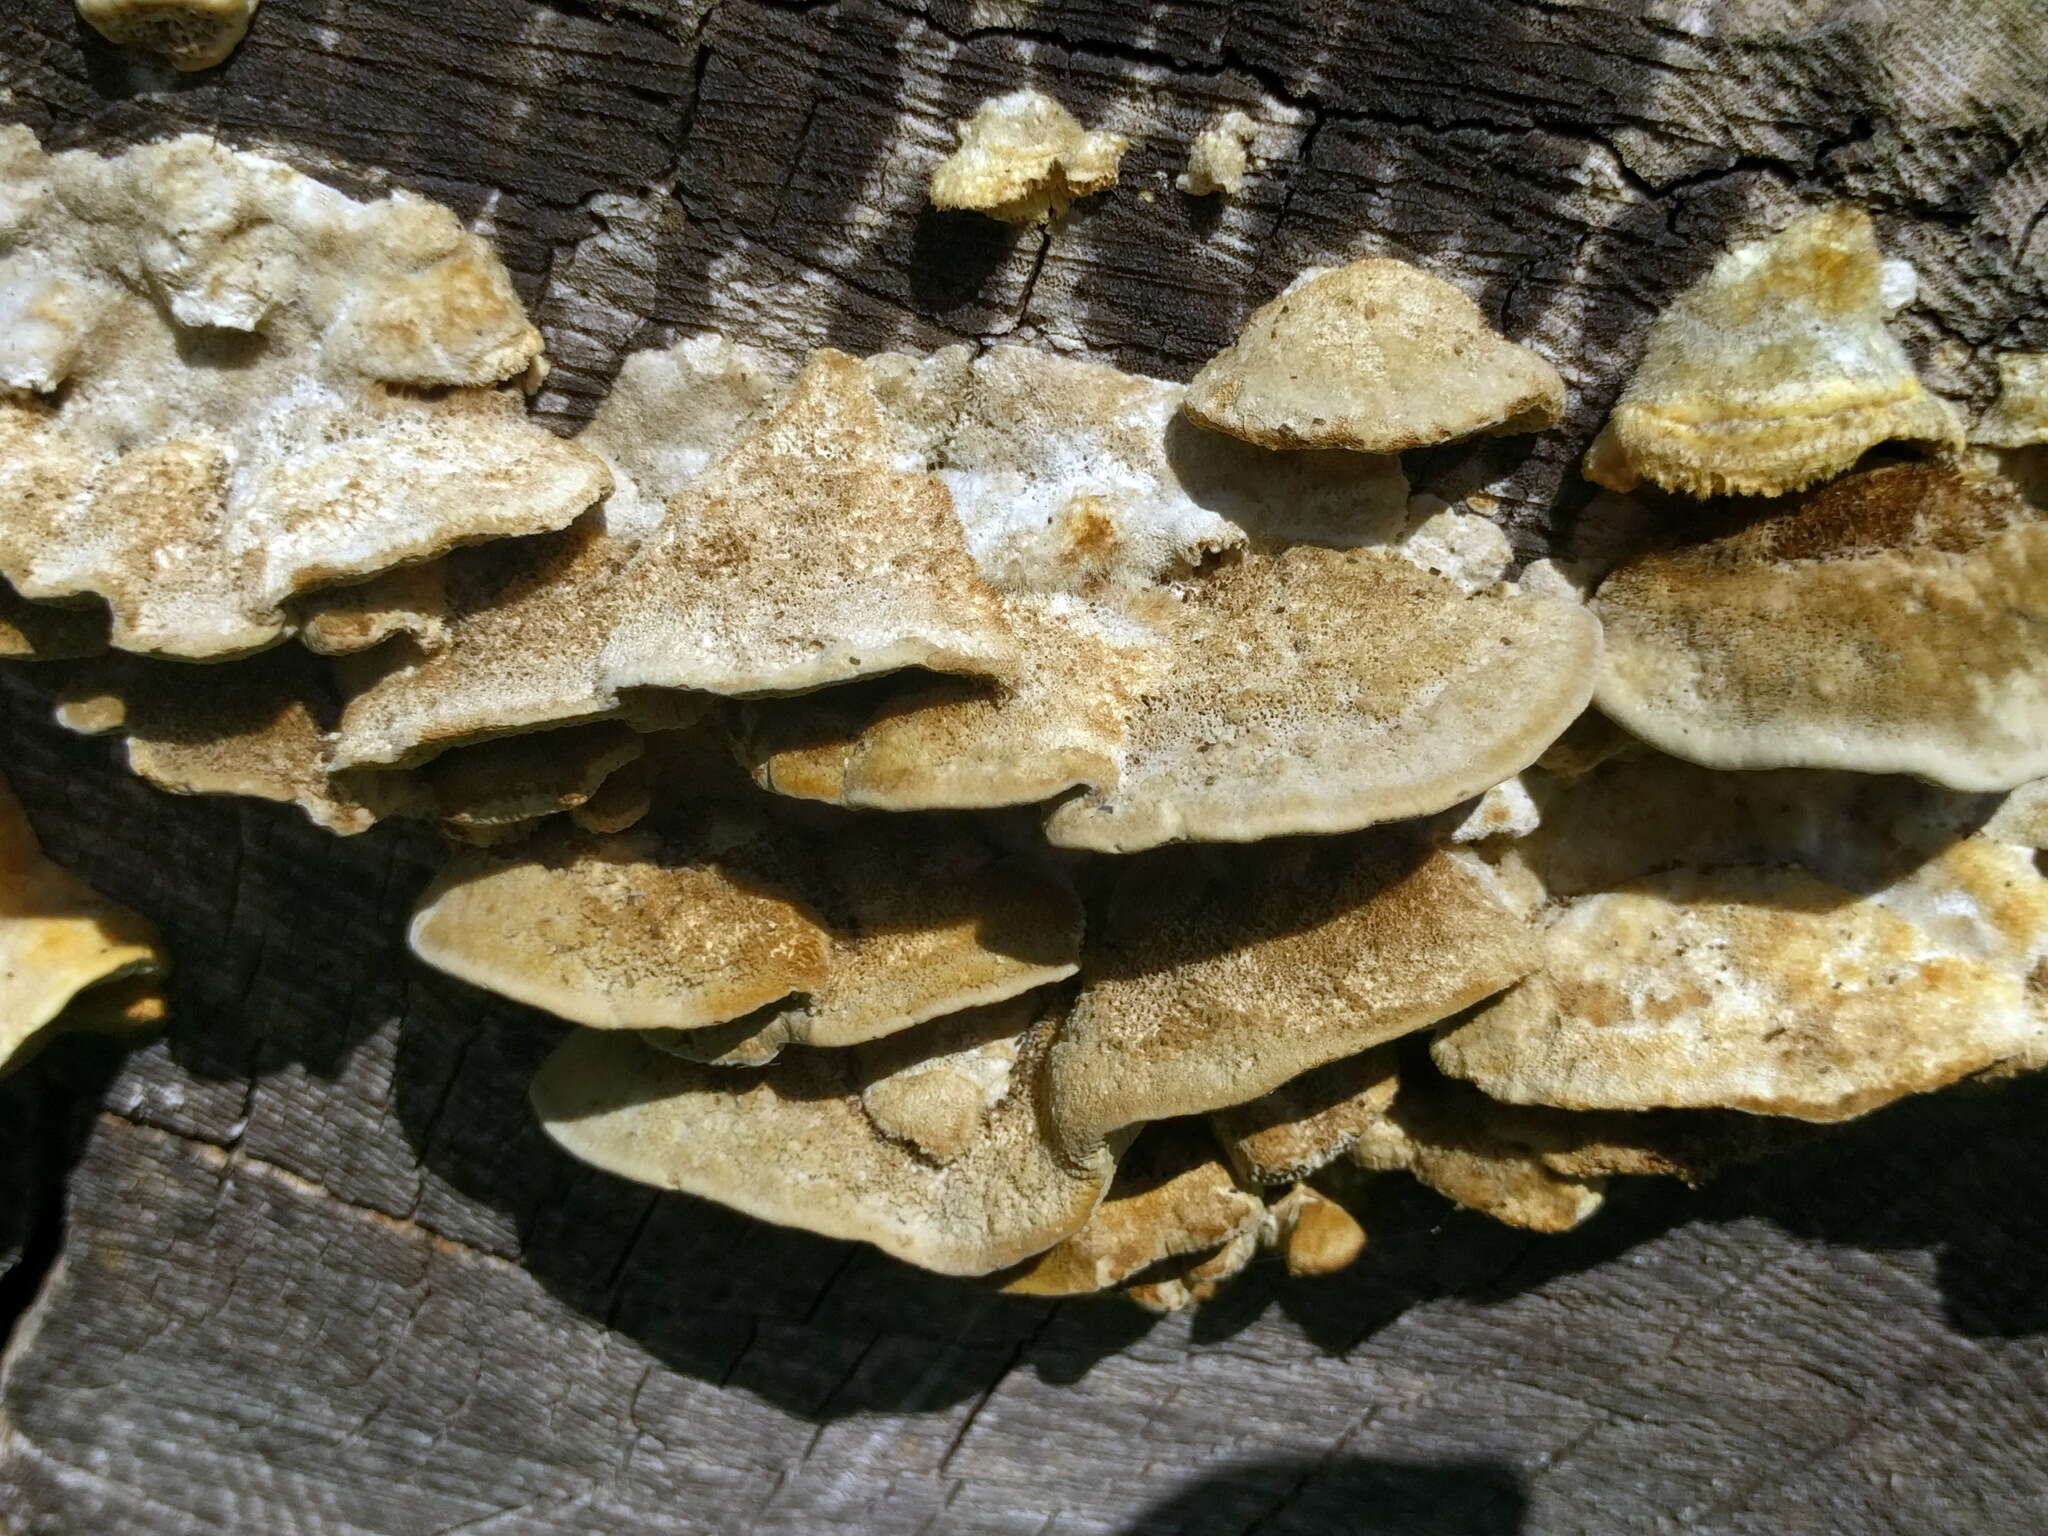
1377	356
69	958
188	34
1887	623
1024	159
1773	371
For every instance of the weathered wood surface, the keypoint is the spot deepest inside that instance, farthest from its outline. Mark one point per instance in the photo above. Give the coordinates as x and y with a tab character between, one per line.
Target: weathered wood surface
313	1269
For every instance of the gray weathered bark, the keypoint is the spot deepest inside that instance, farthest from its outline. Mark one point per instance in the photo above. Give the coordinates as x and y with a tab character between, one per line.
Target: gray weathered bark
316	1270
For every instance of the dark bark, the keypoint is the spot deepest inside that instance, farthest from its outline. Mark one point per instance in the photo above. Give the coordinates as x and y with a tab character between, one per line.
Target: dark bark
317	1271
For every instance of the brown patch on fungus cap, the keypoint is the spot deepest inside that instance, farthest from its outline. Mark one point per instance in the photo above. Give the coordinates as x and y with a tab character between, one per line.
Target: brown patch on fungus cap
1323	690
68	956
2019	418
256	727
1023	158
797	1142
187	34
1376	356
1773	371
1221	974
1172	1195
1887	623
236	385
1770	990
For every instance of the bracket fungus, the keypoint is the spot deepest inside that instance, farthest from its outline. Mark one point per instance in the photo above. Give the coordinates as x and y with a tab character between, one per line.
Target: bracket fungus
188	34
228	384
1321	690
1172	1195
735	935
769	542
1773	371
1790	945
1376	356
1888	622
256	727
1023	158
956	1171
1221	974
69	958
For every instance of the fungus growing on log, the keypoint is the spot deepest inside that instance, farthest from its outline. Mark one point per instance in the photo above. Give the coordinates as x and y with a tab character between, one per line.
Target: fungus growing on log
188	34
1376	357
1888	622
69	958
2019	417
1220	157
1773	371
236	385
1023	158
938	1153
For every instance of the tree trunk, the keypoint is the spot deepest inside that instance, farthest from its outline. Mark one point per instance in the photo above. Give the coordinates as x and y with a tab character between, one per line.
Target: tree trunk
307	1265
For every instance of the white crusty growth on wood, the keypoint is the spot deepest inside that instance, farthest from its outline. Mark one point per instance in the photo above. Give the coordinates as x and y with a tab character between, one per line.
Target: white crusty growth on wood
1024	158
223	384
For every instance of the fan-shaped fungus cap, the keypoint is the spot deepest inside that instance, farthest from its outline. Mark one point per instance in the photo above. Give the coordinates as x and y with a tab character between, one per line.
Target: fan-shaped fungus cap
254	727
1023	158
1376	356
1770	990
2019	418
1221	974
1080	497
1887	623
1172	1195
59	938
638	931
189	34
410	600
523	778
1461	1144
954	1170
1771	372
206	421
1315	1234
525	623
806	557
1323	690
728	918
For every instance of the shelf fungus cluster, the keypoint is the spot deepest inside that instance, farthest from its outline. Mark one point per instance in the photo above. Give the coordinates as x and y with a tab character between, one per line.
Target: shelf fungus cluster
1053	824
